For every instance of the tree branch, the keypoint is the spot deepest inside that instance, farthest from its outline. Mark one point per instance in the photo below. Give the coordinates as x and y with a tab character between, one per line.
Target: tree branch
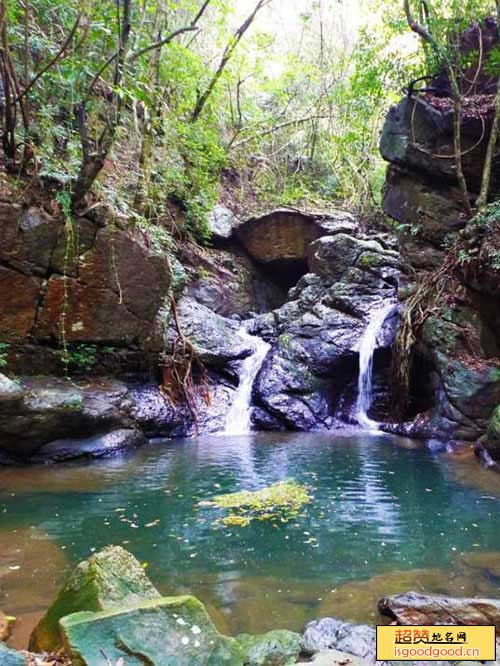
166	40
226	56
61	53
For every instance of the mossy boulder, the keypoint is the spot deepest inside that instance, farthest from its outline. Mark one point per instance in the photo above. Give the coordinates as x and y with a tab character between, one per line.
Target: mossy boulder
276	648
171	631
109	579
10	657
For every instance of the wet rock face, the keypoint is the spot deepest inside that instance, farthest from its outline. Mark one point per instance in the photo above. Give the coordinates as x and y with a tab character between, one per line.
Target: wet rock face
108	283
459	342
316	333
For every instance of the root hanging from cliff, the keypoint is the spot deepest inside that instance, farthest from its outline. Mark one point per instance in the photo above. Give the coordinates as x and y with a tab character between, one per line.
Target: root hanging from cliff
179	370
426	301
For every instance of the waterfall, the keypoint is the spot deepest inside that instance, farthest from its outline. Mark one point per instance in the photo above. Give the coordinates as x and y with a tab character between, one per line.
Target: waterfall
238	418
367	348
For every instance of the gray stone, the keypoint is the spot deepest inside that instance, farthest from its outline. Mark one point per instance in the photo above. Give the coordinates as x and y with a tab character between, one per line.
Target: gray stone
98	446
356	639
222	220
215	338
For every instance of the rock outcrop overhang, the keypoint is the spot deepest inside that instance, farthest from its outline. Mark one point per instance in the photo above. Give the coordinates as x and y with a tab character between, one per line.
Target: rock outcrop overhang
460	339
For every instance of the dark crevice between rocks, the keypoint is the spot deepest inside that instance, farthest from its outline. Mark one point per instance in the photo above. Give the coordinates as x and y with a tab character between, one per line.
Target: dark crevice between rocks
422	385
285	273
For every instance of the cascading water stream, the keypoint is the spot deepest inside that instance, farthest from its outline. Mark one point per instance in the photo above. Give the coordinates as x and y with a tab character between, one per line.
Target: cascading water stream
238	420
367	348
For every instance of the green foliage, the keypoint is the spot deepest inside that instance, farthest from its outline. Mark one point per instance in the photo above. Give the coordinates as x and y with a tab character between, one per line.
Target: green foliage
279	502
4	349
81	357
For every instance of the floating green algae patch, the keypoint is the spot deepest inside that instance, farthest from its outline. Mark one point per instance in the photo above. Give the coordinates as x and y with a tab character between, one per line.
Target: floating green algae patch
279	502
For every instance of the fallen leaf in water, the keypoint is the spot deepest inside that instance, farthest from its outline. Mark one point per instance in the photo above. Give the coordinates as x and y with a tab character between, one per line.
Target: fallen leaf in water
153	523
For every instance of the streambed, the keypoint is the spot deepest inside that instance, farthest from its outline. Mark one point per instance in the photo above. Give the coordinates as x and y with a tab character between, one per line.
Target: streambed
386	516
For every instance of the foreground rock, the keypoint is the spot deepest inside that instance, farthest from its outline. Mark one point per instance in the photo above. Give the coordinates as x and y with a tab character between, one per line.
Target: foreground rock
170	631
106	580
276	648
108	606
416	608
356	639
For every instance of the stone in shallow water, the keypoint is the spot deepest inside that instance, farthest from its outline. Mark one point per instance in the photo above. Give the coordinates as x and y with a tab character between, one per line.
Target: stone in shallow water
170	631
108	579
276	648
356	601
99	446
416	608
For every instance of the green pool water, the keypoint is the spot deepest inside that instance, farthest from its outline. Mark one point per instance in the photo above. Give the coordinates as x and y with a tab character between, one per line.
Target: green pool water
385	517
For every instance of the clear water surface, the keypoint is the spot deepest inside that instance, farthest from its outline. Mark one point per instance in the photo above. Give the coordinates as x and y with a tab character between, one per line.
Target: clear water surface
386	517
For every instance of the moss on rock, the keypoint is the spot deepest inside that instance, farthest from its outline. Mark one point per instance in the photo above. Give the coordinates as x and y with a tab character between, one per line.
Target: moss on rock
109	579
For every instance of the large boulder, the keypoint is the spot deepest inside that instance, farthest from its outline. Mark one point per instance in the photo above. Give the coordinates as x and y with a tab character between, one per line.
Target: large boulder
284	235
89	284
418	135
356	639
317	332
227	281
48	409
98	446
108	579
491	441
171	631
417	608
215	338
158	417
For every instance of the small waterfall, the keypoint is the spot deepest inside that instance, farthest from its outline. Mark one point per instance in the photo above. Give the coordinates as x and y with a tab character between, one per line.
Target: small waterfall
367	348
238	418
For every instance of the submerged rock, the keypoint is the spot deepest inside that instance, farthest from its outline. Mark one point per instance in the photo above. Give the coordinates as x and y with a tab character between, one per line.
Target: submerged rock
106	580
171	631
276	648
416	608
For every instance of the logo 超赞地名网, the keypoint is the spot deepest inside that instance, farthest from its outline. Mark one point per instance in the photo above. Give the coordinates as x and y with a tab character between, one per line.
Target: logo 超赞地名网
436	643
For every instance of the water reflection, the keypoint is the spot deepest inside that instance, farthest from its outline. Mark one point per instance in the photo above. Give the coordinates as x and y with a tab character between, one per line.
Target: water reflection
379	512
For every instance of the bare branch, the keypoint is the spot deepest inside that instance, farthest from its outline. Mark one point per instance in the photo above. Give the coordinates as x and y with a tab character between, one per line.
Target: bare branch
226	57
166	40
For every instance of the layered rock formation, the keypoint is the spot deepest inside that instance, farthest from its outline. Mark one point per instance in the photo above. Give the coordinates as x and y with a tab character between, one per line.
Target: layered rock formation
456	369
108	296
